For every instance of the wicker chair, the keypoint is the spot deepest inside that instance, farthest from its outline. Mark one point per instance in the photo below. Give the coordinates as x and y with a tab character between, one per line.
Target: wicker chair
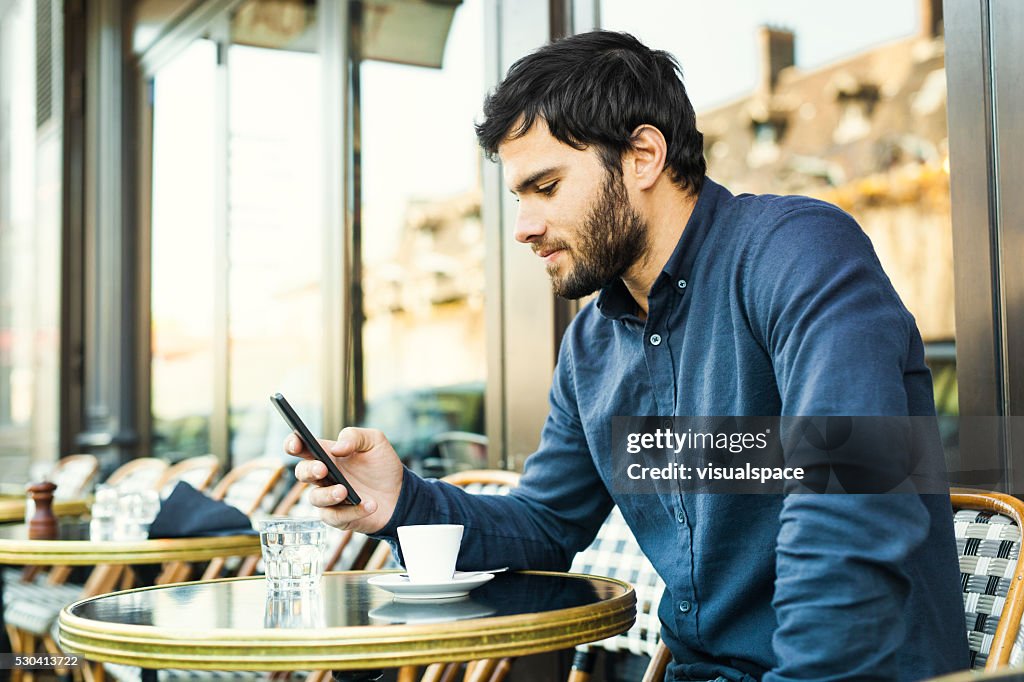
987	527
74	476
199	472
142	473
616	554
33	600
245	487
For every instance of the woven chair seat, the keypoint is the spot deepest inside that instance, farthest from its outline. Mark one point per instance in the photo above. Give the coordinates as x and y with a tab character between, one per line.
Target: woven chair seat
131	673
34	606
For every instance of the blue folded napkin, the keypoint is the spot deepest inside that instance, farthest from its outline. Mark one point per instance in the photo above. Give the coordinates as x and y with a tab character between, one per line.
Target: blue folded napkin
188	513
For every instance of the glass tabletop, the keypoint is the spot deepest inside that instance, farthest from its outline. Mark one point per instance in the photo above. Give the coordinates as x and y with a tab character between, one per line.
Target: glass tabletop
343	600
347	623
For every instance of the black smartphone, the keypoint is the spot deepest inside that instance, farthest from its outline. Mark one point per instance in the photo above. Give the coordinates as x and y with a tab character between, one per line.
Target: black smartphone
334	476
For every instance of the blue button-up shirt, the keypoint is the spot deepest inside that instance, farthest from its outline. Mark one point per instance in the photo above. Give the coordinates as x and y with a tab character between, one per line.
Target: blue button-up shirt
768	306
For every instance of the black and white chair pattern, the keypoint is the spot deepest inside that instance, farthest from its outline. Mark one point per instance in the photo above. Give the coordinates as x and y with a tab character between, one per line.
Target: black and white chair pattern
614	553
988	536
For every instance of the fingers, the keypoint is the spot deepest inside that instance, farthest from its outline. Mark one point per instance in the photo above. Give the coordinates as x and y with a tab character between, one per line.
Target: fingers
352	440
293	446
331	499
329	496
347	517
310	471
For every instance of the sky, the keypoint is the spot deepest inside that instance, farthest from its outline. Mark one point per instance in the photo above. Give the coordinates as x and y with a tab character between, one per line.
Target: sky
716	45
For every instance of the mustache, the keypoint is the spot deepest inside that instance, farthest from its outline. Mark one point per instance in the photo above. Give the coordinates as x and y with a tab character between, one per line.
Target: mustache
549	246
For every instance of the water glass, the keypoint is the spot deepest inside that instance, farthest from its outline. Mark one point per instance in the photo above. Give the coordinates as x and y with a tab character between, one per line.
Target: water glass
293	552
149	507
103	513
128	525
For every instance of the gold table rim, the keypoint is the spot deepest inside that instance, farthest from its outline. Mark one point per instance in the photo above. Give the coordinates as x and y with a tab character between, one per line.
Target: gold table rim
13	509
86	552
339	647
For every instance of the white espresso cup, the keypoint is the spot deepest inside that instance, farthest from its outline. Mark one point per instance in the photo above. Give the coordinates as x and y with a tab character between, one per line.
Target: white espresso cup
430	551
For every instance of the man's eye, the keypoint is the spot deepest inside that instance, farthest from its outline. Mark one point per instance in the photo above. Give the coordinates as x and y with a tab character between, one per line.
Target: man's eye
548	190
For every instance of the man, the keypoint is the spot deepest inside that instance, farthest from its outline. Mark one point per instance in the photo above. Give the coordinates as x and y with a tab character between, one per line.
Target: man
710	304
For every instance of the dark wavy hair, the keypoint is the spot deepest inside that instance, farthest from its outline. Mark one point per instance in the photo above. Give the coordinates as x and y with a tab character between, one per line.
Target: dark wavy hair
595	89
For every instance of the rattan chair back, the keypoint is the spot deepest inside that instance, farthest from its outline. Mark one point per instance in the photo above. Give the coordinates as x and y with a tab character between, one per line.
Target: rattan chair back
142	473
74	476
247	485
199	472
988	536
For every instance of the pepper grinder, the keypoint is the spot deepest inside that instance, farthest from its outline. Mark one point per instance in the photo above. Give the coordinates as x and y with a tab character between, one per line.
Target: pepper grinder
43	524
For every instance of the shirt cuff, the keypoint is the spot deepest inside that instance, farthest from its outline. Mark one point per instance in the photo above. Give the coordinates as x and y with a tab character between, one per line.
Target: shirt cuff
414	506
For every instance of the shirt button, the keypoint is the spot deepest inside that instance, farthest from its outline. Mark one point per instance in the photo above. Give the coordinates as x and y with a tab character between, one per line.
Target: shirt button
655	339
684	606
681	283
680	516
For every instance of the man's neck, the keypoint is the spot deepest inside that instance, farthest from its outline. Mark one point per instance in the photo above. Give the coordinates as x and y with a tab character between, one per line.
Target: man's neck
666	215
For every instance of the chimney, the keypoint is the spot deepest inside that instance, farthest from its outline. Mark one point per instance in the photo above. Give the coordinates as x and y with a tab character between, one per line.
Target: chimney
931	18
778	51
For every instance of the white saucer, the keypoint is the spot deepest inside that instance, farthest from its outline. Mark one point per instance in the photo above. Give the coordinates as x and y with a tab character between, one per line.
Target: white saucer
459	586
429	611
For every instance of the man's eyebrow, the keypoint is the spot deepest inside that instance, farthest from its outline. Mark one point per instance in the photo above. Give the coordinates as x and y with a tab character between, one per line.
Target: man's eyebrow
534	178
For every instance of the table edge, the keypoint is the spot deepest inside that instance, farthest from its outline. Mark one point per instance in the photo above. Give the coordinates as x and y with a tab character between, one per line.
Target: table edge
85	552
499	636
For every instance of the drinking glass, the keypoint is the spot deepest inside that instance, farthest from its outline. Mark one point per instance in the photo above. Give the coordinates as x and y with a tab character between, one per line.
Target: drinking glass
103	513
293	552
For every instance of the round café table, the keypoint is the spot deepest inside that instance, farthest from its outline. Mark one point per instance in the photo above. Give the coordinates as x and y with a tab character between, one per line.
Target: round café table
109	558
346	624
77	550
12	508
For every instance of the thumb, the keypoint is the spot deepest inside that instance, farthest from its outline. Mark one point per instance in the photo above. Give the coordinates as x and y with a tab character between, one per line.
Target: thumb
352	440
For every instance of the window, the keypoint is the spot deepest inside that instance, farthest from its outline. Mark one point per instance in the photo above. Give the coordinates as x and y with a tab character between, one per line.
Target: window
423	246
30	213
183	267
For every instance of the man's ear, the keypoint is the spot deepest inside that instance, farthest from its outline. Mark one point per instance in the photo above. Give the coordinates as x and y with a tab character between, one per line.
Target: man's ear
645	161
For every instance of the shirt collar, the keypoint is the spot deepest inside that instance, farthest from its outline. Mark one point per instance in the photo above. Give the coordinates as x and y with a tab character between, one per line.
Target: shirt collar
615	302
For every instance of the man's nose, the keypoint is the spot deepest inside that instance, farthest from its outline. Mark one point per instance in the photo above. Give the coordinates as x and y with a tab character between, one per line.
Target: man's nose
529	227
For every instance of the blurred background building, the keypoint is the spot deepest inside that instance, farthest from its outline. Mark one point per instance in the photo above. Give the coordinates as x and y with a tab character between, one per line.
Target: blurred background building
203	203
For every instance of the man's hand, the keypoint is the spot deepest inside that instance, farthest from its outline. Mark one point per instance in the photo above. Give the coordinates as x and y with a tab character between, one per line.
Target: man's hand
370	464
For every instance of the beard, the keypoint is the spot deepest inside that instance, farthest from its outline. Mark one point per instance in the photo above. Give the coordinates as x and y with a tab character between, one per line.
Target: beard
609	241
